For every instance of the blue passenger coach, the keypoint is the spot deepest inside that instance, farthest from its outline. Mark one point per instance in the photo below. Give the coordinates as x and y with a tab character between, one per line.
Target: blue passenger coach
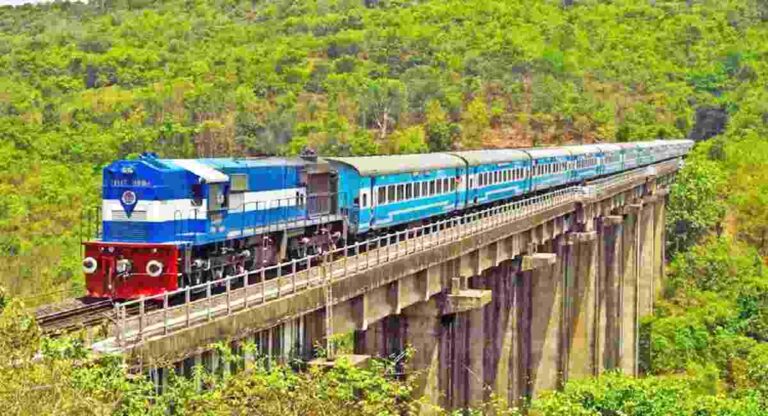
586	162
494	175
630	155
611	161
385	191
550	167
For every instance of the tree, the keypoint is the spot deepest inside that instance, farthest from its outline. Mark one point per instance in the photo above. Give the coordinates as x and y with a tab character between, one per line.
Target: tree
696	203
474	122
383	101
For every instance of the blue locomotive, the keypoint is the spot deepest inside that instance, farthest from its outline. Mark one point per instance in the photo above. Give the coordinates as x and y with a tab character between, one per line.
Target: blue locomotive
168	223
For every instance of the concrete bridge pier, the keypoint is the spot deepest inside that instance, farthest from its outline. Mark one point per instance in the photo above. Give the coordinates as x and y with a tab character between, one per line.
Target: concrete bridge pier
580	307
609	305
630	288
544	328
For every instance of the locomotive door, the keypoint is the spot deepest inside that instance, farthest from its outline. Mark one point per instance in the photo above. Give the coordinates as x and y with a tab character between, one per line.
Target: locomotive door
320	200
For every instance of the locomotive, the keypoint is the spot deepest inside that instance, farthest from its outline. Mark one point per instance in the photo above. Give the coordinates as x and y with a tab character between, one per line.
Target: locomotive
170	223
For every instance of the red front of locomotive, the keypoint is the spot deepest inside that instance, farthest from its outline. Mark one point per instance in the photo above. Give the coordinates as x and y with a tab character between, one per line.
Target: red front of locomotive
130	270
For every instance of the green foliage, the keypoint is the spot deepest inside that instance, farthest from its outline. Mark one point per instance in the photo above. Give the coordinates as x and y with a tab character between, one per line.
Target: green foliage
616	394
696	203
83	84
41	376
718	265
713	324
747	161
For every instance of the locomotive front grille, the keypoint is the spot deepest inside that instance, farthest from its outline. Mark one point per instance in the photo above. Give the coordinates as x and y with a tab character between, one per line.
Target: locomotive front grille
120	215
129	231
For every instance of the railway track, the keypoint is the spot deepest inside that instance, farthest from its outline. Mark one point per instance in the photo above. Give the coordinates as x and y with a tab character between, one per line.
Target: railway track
78	313
72	314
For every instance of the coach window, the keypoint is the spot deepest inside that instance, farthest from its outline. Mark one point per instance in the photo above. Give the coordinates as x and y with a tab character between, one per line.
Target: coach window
365	200
400	192
409	190
431	187
425	188
382	195
439	186
417	190
391	193
453	183
446	185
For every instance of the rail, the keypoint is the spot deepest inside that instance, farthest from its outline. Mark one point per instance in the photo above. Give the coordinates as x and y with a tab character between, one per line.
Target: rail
223	296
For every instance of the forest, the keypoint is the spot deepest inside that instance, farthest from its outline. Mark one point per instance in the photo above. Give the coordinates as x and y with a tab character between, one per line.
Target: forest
84	84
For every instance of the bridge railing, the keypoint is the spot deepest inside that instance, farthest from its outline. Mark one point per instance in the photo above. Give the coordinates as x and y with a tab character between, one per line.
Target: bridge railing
205	301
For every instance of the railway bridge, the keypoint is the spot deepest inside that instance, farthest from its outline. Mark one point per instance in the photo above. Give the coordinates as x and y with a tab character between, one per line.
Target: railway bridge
515	299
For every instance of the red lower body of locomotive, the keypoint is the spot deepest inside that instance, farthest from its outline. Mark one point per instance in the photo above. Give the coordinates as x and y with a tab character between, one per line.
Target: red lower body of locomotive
130	270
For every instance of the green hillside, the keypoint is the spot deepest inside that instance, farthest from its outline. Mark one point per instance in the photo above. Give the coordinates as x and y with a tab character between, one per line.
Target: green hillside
84	84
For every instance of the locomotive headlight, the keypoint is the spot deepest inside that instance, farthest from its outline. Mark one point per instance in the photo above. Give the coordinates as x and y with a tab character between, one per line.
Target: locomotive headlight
123	266
154	268
89	265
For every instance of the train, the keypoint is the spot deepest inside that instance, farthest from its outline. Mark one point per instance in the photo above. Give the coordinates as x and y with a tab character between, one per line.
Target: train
171	223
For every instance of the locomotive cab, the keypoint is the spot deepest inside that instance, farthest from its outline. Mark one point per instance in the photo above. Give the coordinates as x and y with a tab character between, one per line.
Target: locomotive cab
144	202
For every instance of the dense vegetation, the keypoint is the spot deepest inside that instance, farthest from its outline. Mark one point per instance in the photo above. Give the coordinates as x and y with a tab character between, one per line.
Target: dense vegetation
81	85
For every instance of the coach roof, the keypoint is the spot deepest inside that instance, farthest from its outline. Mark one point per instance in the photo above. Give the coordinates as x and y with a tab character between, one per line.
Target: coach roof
484	157
385	165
